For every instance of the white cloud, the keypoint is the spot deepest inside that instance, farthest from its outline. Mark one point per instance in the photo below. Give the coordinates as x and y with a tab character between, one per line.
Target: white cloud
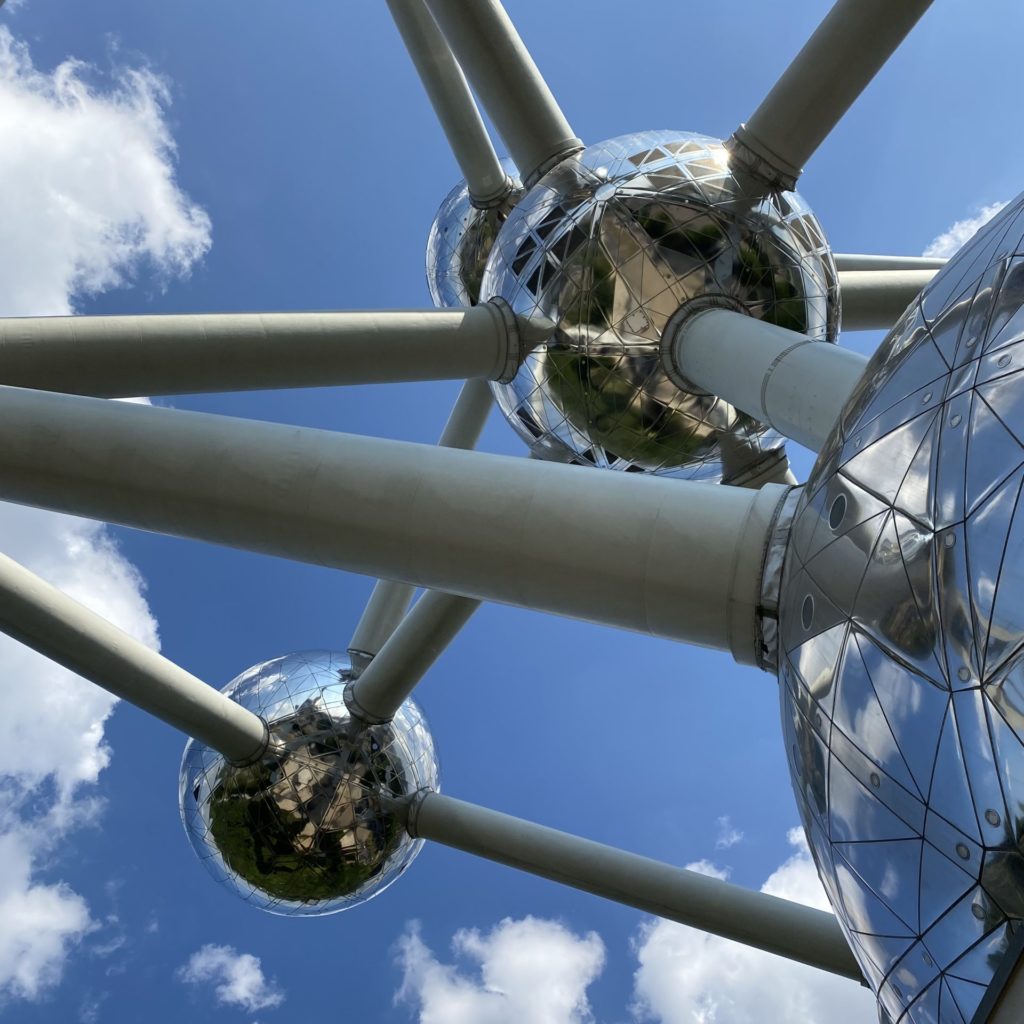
89	196
529	971
688	977
961	232
706	867
728	834
238	977
89	202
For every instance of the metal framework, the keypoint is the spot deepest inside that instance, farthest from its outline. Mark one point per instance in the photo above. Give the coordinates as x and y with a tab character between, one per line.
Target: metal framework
686	560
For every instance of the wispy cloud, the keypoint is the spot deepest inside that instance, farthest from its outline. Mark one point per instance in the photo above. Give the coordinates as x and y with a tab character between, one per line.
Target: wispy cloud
728	835
238	978
954	238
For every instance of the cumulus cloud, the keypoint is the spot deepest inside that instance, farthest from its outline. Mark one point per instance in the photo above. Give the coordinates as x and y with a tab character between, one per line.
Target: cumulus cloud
689	977
89	195
961	232
89	202
238	978
529	970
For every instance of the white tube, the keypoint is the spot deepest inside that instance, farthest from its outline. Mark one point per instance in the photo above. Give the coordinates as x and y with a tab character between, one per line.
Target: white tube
47	620
836	64
671	558
873	300
420	639
862	261
119	356
390	600
779	377
508	83
452	101
754	918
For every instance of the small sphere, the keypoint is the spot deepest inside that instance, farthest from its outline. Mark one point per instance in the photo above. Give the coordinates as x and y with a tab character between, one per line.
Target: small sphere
608	246
460	240
911	668
307	830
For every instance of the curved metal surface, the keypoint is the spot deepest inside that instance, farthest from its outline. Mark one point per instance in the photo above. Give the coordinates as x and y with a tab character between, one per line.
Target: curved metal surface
309	828
608	246
902	635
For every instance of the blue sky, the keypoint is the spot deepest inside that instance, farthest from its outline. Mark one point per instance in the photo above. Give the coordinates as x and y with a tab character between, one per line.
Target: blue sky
305	170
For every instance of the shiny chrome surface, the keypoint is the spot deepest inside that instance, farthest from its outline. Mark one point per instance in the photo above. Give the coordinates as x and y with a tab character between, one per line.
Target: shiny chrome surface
608	246
460	240
305	830
902	628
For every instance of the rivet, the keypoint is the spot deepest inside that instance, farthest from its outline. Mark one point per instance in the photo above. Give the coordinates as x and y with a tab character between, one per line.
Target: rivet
978	911
971	342
949	540
954	420
927	959
992	817
962	852
875	780
927	398
1004	360
963	673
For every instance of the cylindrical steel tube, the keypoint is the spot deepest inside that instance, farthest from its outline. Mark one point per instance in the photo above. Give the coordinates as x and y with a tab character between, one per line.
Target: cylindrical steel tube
508	83
47	620
390	600
779	377
834	67
671	558
754	918
864	261
121	356
405	658
452	101
873	300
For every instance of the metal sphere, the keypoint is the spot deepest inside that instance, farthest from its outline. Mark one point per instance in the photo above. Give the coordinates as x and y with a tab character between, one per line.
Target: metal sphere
608	246
460	240
307	829
902	642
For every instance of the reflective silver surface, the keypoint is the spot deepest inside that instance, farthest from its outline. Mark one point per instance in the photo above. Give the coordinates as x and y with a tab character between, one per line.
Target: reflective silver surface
305	830
460	240
608	246
902	627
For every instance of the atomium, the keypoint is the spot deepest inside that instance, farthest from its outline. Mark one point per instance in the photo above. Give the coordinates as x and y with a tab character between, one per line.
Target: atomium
902	669
307	829
886	593
608	246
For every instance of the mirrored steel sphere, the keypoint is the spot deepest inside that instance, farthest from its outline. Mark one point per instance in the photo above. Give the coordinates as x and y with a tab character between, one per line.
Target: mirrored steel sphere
902	628
608	246
307	830
460	240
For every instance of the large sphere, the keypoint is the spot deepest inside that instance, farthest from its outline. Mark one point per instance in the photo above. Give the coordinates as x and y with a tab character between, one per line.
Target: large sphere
460	240
902	626
307	829
608	246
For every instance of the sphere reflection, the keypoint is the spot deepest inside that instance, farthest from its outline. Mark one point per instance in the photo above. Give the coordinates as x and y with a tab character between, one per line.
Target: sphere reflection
307	829
608	246
460	240
902	642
